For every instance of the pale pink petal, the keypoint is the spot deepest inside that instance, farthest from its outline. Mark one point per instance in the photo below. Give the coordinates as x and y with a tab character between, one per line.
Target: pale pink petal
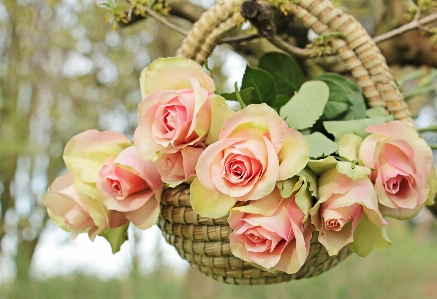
268	259
294	154
258	116
402	130
383	197
210	157
332	182
171	168
235	219
278	222
190	157
367	150
209	203
131	203
267	182
85	153
334	241
146	216
238	247
265	206
172	74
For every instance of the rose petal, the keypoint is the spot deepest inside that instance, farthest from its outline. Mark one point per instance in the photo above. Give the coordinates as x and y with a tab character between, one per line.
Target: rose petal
258	116
85	153
162	75
146	216
334	241
209	203
294	154
212	155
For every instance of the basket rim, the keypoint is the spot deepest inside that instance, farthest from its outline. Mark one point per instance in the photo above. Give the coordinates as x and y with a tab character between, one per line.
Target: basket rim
358	51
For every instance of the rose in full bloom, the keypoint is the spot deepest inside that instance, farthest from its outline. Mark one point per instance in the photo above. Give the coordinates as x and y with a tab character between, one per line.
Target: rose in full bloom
176	110
347	213
271	233
255	149
180	166
131	185
402	163
76	212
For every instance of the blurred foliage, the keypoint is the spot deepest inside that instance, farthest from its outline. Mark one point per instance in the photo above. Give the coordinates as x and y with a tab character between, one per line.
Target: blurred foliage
63	71
406	270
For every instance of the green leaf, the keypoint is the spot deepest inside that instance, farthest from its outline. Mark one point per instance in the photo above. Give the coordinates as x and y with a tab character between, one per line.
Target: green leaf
264	87
319	167
246	95
341	90
377	111
306	106
286	72
333	109
320	145
352	170
116	236
368	236
432	183
341	128
280	101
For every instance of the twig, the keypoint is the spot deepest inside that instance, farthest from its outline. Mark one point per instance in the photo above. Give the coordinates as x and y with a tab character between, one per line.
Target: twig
289	48
239	38
164	21
407	27
428	129
173	26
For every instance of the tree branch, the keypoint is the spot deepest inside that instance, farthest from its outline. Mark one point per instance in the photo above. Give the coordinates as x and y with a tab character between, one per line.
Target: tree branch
164	21
407	27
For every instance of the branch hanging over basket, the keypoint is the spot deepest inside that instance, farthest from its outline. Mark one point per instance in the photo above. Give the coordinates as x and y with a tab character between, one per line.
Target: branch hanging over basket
284	188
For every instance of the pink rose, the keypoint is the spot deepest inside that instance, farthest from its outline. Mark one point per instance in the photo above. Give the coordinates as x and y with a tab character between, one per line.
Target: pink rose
180	166
270	232
402	162
343	204
255	149
131	185
76	212
176	110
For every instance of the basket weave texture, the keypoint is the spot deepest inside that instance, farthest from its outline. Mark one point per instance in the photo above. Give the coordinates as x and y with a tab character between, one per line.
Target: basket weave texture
204	242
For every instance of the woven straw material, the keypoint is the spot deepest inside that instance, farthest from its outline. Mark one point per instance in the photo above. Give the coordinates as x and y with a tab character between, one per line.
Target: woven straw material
358	51
204	243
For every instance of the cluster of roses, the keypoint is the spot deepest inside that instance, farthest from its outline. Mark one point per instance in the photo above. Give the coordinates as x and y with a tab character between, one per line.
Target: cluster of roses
249	164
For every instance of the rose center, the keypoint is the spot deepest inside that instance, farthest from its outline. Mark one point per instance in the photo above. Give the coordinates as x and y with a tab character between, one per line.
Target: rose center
393	185
241	169
116	188
332	224
255	237
170	121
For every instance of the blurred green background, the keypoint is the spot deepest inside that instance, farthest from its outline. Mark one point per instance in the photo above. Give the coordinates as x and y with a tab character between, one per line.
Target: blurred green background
63	70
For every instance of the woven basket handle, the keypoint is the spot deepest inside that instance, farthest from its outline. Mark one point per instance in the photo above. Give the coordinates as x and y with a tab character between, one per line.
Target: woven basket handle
358	51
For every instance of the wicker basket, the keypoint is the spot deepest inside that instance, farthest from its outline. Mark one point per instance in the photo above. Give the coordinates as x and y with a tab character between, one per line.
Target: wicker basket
204	242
